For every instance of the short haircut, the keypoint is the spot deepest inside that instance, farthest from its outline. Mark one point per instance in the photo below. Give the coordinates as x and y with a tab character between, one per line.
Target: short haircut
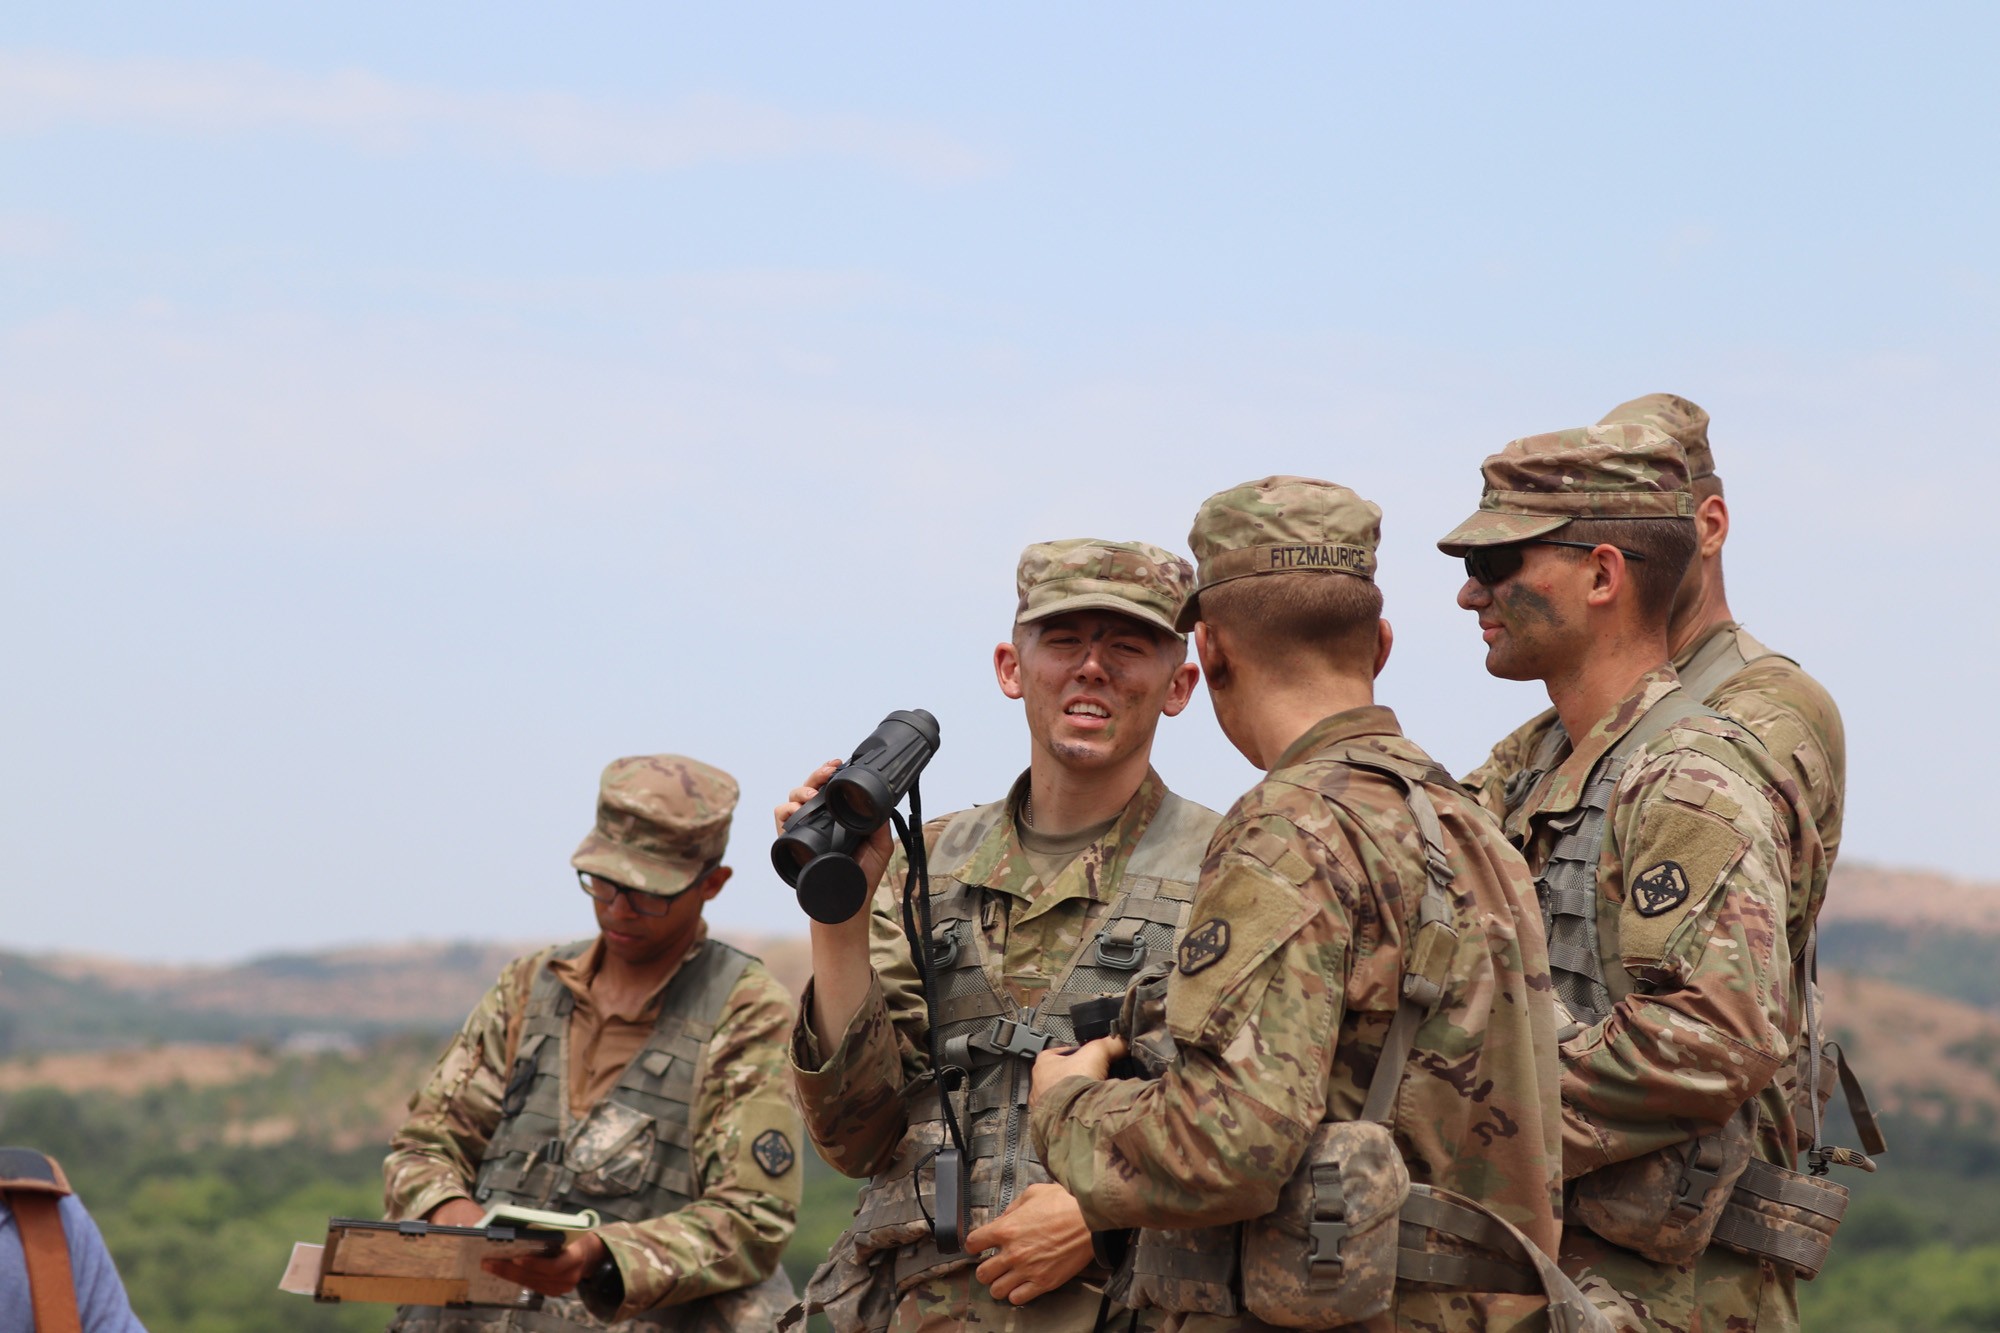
1666	543
1309	617
1704	487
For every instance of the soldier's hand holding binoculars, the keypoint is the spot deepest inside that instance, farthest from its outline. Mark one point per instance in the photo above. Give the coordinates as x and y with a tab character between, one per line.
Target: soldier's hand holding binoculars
871	854
833	841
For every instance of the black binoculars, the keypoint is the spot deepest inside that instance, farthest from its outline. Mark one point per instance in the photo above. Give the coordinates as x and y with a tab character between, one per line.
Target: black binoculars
815	853
1098	1017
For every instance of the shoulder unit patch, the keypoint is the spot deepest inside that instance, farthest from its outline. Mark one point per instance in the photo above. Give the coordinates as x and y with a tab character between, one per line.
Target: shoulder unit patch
1660	889
1204	945
773	1152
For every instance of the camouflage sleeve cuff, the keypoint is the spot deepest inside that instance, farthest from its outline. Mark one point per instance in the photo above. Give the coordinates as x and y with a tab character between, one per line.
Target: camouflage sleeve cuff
864	1070
428	1198
1050	1114
644	1279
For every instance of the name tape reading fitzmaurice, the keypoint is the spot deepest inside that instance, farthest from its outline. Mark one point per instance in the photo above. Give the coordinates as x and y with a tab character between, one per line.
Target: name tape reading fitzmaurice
1347	558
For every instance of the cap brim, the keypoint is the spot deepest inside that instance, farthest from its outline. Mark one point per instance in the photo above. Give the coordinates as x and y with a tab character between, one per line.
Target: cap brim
1491	528
600	856
1190	612
1099	601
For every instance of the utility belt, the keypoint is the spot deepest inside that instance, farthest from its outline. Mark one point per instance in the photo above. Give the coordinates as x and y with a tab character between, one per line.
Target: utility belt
1672	1204
1350	1228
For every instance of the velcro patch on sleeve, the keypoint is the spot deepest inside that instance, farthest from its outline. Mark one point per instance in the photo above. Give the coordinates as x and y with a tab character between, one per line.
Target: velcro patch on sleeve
1261	844
1241	915
1687	790
1673	868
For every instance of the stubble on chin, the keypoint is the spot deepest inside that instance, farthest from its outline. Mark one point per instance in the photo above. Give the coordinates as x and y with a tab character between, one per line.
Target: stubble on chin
1079	753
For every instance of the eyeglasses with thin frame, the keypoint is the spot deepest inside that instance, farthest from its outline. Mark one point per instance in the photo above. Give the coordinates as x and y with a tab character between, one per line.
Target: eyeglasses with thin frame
1491	565
606	892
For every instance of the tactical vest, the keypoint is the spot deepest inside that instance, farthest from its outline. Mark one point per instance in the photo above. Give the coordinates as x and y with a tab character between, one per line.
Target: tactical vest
33	1186
630	1158
1567	885
983	1032
1671	1204
1722	656
1350	1227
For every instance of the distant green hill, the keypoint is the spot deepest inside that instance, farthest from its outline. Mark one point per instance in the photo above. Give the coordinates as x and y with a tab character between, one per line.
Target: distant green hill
1956	963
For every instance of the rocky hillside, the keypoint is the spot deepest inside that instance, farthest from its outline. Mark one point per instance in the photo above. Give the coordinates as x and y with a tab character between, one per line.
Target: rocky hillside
1927	933
67	1002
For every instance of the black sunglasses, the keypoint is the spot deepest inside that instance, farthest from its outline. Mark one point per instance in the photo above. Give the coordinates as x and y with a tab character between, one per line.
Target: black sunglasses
1491	565
606	891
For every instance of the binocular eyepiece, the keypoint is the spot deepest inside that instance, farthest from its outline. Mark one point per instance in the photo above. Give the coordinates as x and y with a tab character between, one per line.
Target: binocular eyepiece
815	853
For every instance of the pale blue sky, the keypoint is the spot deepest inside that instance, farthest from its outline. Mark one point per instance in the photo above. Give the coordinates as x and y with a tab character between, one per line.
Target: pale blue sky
406	410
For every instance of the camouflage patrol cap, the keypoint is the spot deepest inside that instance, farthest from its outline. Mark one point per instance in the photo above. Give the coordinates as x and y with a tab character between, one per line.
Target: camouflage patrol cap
1537	484
1281	525
661	821
1678	417
1134	579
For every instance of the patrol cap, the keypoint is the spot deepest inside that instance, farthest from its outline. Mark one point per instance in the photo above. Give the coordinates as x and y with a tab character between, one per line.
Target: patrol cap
1678	417
1538	483
661	820
1134	579
1281	525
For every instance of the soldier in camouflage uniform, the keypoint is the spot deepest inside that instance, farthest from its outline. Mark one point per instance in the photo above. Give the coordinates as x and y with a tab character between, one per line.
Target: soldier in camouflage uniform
1314	903
1673	852
640	1075
1720	663
1059	893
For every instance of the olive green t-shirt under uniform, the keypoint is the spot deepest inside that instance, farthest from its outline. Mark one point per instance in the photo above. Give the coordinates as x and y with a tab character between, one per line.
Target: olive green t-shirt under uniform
1050	854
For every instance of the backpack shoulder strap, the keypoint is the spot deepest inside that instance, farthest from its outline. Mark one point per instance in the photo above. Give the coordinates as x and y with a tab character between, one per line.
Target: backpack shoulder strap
1427	960
34	1186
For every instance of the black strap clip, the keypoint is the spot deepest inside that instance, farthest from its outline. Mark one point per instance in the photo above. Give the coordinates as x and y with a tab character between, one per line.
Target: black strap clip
1008	1037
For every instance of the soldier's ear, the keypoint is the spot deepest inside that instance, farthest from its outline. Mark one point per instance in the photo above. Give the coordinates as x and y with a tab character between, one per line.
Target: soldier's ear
1711	519
1385	639
1007	669
1209	647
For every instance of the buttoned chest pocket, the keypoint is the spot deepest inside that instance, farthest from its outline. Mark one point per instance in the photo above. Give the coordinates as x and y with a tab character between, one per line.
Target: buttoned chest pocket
612	1149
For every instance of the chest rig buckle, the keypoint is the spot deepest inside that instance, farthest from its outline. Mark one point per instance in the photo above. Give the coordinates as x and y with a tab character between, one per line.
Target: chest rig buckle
1007	1036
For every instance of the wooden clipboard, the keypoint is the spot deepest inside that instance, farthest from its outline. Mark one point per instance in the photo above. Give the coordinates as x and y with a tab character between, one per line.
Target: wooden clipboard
418	1263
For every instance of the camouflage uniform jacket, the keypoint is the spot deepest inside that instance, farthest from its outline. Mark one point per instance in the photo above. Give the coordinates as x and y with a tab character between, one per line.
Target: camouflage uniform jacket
861	1097
1316	873
1780	704
1707	1010
730	1237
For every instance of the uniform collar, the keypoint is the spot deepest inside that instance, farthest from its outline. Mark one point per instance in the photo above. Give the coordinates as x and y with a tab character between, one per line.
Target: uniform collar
577	973
1562	790
1347	725
1689	653
1000	863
